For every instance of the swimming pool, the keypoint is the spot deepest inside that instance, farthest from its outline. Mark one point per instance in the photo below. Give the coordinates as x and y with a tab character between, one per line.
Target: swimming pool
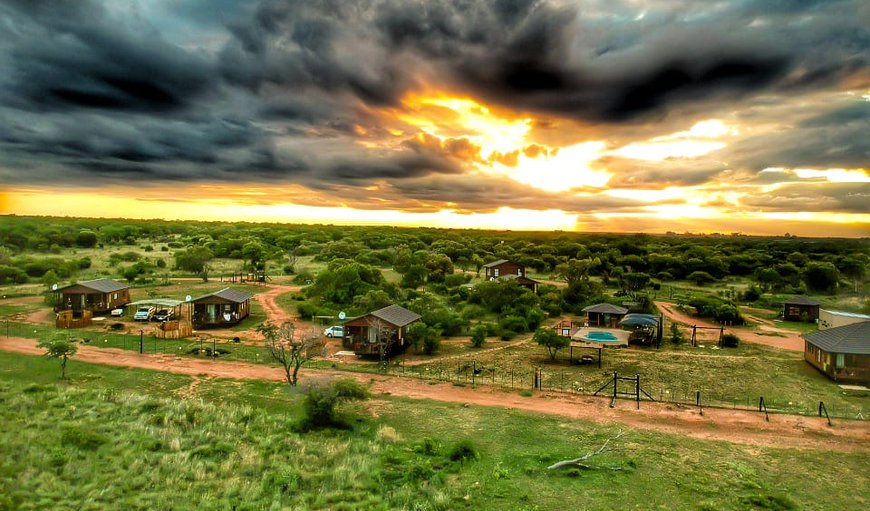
599	336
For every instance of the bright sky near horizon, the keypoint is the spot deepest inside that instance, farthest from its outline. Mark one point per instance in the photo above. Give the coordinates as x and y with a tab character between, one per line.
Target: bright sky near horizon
609	115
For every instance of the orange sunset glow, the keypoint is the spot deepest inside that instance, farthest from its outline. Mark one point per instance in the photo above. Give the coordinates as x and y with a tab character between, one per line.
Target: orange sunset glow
361	125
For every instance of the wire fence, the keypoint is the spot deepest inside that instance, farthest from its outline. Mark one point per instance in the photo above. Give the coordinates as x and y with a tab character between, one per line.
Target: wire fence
467	373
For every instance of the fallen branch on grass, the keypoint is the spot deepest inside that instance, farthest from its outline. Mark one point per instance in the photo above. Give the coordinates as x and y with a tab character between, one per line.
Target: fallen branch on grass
579	462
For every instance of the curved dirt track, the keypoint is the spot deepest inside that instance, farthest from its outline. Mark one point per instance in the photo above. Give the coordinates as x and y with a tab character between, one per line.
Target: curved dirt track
274	313
737	426
778	338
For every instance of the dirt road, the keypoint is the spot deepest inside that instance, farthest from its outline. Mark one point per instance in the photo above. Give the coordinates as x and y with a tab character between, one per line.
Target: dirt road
742	427
768	335
274	313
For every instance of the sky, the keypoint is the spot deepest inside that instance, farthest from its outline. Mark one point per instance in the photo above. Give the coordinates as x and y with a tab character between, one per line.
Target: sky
749	116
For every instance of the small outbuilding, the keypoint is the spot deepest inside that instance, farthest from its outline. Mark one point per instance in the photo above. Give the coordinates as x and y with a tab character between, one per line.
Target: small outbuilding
833	319
509	270
604	315
800	308
221	309
94	296
382	329
841	353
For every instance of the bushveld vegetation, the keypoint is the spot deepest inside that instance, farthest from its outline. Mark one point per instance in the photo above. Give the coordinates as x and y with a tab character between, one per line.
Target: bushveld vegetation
135	439
359	269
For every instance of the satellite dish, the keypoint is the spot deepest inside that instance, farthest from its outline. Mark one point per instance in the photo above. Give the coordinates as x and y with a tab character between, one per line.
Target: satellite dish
54	287
188	298
342	315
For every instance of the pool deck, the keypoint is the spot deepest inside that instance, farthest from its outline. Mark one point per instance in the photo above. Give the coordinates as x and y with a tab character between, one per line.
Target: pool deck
578	339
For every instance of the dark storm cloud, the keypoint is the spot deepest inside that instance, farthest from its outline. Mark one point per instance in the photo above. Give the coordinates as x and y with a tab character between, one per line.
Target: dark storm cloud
830	138
64	55
294	91
843	197
488	193
630	173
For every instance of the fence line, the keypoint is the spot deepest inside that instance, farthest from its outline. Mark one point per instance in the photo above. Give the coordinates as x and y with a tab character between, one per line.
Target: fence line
463	373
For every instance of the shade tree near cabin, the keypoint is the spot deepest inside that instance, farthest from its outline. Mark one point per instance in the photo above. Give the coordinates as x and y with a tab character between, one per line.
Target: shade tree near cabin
549	339
195	260
632	284
291	347
343	280
61	348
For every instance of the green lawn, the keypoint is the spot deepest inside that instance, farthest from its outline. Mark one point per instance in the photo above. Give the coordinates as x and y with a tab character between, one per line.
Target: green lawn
113	438
725	377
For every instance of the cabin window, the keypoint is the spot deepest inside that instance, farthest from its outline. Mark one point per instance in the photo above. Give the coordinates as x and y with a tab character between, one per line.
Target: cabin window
520	272
115	296
840	361
495	272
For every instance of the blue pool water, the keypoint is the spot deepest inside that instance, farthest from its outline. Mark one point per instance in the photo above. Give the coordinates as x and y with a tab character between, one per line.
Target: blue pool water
601	336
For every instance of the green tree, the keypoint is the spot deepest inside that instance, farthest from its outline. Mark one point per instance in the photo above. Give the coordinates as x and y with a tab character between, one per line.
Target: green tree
424	338
478	263
548	338
195	260
61	348
854	267
343	280
575	271
821	276
86	239
700	278
438	267
634	283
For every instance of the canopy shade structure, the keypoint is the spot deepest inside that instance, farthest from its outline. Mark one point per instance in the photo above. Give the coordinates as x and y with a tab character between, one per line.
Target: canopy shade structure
162	302
639	320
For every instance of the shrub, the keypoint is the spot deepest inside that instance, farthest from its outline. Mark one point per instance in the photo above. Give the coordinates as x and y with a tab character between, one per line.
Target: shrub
676	334
730	341
514	323
320	403
82	438
478	335
463	450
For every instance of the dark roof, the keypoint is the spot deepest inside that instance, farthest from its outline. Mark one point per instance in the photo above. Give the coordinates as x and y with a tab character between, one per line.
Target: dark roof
495	263
801	300
229	294
852	339
638	319
101	285
605	308
396	315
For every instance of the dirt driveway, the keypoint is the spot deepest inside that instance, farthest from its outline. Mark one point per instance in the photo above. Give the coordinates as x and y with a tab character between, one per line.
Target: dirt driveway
742	427
767	335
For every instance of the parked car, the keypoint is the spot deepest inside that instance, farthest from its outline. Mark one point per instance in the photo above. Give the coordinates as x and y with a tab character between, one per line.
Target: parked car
143	313
334	331
117	312
162	315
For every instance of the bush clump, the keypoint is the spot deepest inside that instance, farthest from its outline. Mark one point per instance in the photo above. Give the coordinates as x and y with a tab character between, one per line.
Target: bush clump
321	401
730	341
463	450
